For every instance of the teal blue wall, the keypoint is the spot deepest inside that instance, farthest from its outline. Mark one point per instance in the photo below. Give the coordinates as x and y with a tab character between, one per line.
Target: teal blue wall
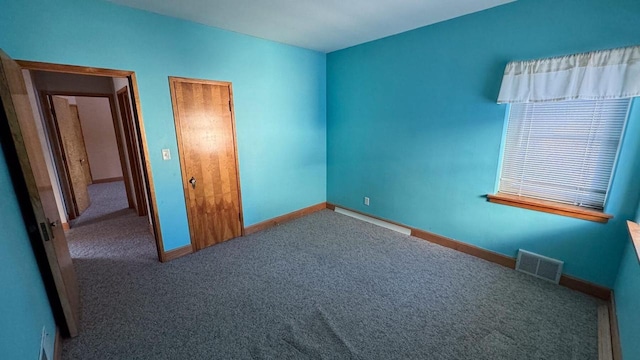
627	296
24	308
627	293
412	122
279	94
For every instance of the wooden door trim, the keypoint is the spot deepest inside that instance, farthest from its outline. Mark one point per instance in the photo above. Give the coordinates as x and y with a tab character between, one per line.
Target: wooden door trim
72	69
176	116
134	163
139	122
200	81
142	140
235	149
76	93
116	129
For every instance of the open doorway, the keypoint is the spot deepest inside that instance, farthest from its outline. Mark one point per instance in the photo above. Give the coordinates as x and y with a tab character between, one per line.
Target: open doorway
94	143
36	177
98	152
91	138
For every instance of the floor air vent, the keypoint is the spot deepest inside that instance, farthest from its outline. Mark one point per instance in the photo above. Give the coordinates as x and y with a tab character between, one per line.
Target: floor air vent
539	266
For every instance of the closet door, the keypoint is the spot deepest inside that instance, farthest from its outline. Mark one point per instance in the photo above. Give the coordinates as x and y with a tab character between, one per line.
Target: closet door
203	112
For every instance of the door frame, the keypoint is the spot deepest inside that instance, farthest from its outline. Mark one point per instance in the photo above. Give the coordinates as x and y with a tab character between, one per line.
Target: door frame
172	80
128	128
56	138
138	121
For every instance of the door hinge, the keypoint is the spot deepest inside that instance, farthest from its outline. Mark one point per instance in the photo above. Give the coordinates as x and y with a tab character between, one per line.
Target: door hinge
240	217
229	105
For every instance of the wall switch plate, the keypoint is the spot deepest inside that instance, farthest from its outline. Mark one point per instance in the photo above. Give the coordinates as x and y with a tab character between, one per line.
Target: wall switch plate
366	201
166	154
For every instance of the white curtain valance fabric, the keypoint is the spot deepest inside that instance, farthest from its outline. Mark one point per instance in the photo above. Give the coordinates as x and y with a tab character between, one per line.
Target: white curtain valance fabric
607	74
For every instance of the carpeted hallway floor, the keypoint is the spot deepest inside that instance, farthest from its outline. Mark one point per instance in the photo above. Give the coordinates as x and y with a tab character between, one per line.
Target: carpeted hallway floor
322	287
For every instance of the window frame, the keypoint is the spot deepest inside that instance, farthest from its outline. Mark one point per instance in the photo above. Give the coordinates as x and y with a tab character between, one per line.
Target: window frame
549	206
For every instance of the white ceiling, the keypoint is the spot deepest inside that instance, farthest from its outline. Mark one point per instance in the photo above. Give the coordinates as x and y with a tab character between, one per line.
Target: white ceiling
322	25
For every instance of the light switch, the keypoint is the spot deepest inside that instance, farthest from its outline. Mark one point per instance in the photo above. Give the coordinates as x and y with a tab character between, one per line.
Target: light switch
166	154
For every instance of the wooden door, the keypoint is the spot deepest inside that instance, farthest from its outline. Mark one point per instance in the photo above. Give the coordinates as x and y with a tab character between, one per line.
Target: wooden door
75	118
31	181
124	105
205	128
53	134
73	151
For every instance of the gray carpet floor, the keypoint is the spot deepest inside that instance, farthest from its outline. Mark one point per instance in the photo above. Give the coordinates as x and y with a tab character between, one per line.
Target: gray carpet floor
325	286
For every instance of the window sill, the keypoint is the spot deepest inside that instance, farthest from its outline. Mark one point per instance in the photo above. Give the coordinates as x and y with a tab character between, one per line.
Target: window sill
549	207
634	232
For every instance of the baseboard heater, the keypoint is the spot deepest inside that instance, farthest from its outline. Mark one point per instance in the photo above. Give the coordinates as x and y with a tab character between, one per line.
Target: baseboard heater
539	266
384	224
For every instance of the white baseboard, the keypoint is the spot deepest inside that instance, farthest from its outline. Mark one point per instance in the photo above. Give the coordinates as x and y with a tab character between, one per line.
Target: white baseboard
384	224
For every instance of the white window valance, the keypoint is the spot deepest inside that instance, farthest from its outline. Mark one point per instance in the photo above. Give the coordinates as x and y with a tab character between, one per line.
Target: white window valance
598	75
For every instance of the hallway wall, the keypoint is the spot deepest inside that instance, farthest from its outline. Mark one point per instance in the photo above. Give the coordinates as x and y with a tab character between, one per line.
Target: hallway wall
99	137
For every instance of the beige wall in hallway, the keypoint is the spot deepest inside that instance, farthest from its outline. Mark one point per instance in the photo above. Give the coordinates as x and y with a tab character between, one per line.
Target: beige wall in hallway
99	137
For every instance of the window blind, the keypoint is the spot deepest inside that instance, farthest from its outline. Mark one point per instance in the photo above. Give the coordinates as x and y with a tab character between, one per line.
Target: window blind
563	151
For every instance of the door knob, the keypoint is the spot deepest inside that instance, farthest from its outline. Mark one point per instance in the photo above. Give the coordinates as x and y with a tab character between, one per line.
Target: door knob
192	181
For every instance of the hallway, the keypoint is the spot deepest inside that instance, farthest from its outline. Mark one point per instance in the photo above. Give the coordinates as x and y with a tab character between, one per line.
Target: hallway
109	229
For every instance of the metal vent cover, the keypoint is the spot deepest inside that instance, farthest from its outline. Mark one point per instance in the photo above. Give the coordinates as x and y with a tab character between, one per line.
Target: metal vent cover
539	266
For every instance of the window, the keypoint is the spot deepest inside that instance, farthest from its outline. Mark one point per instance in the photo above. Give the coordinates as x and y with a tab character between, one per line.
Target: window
563	151
566	120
